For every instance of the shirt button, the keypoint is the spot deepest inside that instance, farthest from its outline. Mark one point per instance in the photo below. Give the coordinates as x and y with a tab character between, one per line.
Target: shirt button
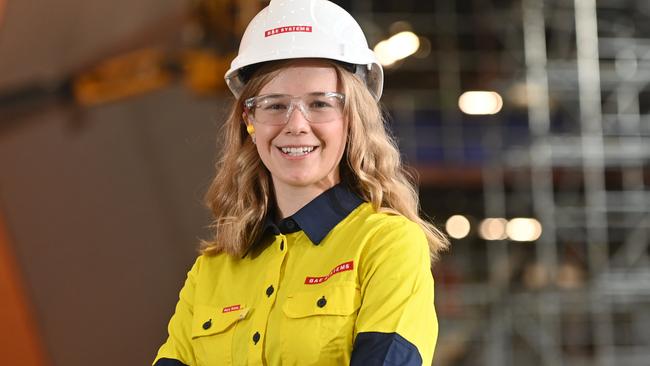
291	224
269	291
256	337
207	324
321	302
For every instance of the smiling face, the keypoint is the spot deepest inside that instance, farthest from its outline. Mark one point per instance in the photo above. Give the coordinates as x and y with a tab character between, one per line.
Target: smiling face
300	154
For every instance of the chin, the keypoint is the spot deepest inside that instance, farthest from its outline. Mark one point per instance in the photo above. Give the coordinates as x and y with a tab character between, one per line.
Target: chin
297	182
303	181
298	177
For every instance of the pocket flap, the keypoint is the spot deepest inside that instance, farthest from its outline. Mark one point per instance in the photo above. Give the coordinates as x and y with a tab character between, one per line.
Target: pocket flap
331	300
209	320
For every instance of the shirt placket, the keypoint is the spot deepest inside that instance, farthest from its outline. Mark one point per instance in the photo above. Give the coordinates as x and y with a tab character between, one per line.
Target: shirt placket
260	315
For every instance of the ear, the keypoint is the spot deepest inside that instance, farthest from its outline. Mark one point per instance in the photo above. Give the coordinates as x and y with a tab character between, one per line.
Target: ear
249	126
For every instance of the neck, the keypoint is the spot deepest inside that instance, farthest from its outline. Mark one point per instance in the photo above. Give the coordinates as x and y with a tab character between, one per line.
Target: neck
290	199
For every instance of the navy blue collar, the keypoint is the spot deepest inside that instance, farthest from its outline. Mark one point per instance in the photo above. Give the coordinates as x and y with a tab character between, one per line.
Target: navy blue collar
318	217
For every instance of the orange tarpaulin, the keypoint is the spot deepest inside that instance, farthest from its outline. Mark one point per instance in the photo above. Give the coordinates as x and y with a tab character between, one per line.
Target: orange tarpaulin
2	10
19	341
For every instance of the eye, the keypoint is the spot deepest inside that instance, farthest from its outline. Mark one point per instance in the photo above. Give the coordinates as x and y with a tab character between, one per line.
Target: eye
274	107
319	104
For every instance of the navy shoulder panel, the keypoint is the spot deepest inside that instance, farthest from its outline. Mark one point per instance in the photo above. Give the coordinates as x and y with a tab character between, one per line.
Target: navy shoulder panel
375	349
169	362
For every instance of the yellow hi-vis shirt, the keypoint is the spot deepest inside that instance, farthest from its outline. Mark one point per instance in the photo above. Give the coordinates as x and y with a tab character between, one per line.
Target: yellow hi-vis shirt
337	283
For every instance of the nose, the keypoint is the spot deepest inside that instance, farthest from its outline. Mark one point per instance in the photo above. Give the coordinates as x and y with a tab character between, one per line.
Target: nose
297	122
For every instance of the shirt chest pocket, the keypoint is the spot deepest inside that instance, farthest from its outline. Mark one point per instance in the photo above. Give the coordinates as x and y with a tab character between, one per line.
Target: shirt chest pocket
319	324
212	333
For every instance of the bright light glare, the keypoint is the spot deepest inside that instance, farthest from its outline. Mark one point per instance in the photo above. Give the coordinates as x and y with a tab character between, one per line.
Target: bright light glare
524	229
457	226
404	44
397	47
383	52
480	102
493	229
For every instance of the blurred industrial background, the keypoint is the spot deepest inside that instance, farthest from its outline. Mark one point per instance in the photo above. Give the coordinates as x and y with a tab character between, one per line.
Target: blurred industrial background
527	121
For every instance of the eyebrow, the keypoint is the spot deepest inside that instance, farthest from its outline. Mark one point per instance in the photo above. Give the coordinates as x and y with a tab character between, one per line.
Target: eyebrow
274	95
289	95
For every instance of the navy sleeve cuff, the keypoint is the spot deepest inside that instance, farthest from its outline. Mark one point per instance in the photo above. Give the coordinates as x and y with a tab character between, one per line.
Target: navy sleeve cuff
169	362
375	349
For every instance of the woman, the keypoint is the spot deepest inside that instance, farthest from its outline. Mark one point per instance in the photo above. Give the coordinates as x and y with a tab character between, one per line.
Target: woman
319	256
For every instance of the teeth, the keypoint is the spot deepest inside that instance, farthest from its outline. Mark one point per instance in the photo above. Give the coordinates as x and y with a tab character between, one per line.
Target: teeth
297	151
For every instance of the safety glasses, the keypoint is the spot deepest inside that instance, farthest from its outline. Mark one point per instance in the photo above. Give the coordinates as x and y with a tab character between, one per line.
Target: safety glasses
275	109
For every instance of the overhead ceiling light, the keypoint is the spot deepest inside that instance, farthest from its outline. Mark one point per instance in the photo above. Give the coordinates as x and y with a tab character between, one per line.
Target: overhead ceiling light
523	229
493	229
457	226
384	54
404	44
397	47
480	102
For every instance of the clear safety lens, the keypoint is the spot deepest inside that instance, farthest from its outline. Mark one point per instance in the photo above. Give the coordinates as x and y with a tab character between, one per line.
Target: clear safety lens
275	109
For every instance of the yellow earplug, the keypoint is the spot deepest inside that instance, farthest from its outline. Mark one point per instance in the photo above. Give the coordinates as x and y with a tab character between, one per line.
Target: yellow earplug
250	129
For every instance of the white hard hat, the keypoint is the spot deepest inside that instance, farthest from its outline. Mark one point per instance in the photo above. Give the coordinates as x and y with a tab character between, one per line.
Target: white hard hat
288	29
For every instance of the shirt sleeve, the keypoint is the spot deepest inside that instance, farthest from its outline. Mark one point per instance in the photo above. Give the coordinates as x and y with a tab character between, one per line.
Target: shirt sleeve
396	323
177	349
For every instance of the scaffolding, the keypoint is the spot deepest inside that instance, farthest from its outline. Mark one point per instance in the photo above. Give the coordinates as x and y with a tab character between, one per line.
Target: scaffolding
608	153
596	223
580	294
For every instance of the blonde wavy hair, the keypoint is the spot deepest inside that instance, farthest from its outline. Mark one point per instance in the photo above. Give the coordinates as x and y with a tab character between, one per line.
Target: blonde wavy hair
241	193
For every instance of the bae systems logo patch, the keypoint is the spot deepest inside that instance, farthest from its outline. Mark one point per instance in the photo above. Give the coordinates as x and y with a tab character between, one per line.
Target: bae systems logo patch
288	29
230	308
347	266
